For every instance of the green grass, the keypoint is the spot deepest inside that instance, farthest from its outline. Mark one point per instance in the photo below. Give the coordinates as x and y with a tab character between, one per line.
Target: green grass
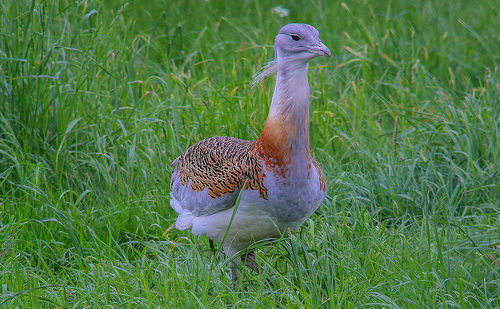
98	97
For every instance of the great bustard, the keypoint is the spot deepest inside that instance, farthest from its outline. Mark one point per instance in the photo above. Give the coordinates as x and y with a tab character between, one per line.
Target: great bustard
283	183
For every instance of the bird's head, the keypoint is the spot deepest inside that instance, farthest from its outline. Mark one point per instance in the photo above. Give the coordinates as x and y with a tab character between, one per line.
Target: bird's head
299	41
295	44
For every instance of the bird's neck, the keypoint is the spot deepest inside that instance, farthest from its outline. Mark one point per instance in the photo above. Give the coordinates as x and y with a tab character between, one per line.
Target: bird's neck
284	141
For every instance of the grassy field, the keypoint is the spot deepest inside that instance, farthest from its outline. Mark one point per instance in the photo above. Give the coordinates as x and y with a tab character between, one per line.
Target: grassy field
98	97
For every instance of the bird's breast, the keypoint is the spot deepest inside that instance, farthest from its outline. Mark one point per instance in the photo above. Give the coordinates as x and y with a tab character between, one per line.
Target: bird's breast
291	198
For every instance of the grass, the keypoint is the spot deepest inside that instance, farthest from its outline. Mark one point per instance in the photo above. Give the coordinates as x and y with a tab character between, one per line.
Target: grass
98	97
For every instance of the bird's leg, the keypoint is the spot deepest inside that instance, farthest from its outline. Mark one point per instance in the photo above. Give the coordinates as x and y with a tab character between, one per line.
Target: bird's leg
212	246
249	259
235	273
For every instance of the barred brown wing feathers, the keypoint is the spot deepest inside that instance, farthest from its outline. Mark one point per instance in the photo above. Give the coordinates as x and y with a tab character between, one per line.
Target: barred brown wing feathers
221	164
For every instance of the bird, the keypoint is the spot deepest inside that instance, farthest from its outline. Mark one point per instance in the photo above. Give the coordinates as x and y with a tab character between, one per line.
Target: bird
237	192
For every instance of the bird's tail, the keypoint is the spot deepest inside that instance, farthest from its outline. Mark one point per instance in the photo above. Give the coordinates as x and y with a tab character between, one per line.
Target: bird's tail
185	218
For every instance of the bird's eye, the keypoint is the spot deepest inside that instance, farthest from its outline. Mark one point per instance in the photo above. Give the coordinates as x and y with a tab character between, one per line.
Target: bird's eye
295	37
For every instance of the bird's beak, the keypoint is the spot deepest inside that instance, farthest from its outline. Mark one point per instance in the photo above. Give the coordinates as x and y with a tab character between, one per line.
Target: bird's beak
320	49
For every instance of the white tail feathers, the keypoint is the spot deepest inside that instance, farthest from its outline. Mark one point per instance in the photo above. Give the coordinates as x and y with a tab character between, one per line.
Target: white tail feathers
184	221
185	218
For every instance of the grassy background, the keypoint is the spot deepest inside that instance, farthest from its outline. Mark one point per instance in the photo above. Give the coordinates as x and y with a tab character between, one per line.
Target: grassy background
98	97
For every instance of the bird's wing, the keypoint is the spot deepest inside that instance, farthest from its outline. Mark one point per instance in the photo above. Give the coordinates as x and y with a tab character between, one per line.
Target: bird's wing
209	176
322	180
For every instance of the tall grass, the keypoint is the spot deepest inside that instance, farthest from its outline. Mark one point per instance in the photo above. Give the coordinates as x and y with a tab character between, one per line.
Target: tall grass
98	97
